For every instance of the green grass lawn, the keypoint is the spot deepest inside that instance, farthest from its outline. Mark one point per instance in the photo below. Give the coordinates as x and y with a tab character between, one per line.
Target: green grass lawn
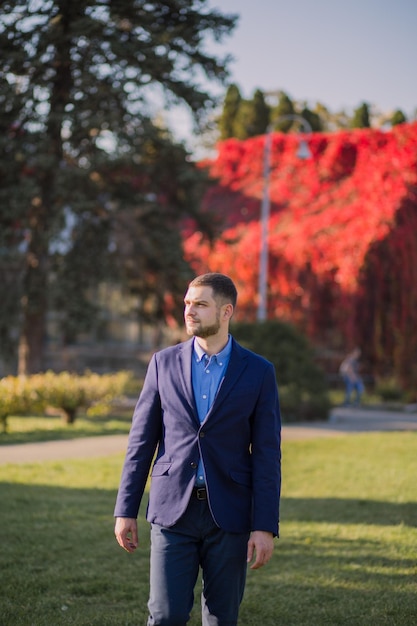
30	429
347	553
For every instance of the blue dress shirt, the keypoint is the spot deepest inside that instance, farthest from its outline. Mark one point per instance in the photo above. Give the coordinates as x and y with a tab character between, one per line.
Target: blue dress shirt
207	374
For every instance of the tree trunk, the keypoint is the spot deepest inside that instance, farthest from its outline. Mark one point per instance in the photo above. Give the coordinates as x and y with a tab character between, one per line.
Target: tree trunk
34	306
31	343
69	416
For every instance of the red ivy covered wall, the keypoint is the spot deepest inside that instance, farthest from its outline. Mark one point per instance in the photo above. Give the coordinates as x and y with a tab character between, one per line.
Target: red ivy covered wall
342	237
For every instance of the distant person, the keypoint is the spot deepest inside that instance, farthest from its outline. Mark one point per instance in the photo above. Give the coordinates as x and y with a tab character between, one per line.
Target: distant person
209	413
349	371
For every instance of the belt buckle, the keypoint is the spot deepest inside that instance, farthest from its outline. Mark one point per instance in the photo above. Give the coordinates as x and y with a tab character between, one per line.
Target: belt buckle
201	493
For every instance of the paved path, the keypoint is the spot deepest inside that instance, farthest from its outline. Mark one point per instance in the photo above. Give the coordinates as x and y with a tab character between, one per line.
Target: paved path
345	420
87	447
342	421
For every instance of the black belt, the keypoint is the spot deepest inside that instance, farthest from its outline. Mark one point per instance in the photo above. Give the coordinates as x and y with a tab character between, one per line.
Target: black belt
200	493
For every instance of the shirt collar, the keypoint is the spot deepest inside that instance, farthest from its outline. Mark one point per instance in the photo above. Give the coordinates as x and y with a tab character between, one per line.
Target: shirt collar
220	356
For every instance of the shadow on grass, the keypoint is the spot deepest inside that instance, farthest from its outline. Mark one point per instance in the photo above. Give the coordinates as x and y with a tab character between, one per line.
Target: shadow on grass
53	428
60	563
348	511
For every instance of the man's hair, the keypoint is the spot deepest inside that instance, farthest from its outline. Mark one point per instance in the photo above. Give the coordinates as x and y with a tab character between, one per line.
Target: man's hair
223	287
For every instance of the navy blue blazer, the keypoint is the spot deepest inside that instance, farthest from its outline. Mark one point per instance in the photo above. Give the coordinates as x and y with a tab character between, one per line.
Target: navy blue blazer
239	442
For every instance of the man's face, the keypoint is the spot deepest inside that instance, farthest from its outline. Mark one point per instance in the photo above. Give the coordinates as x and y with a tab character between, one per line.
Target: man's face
201	312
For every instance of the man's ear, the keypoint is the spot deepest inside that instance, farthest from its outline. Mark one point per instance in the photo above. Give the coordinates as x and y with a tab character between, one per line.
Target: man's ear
228	311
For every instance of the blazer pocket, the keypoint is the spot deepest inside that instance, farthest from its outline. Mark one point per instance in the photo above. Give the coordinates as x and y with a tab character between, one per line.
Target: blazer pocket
243	478
161	469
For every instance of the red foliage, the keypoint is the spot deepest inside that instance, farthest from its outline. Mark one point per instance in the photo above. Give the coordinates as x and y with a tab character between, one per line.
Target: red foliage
343	225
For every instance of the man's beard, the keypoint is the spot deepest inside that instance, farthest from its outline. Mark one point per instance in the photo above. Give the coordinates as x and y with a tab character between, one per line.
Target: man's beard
205	331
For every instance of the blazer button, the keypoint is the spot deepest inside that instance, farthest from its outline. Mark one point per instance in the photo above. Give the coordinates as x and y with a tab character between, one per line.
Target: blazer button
202	434
193	465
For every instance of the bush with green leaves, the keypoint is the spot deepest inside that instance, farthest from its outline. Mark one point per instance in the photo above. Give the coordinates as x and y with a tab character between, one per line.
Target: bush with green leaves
302	384
102	390
17	397
389	389
64	391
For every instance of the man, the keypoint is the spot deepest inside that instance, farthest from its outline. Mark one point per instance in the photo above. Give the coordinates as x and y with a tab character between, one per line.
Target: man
349	370
209	409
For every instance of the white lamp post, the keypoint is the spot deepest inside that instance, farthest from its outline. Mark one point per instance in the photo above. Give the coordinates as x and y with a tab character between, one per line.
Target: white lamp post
303	152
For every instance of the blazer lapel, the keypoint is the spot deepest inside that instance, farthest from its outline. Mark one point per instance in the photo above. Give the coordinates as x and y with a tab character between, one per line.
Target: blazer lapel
185	353
237	365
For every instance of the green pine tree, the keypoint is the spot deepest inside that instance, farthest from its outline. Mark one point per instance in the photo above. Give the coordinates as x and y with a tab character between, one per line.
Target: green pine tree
398	117
361	117
261	113
229	113
243	121
76	79
252	117
284	108
313	119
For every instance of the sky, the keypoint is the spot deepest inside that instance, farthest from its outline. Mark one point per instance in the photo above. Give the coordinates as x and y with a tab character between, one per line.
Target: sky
340	53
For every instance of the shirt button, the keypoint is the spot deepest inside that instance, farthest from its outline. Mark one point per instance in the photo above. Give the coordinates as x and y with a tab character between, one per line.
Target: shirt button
207	371
204	397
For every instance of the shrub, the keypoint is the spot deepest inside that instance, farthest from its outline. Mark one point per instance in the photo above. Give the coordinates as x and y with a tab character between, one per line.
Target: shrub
102	391
17	397
302	384
389	389
64	391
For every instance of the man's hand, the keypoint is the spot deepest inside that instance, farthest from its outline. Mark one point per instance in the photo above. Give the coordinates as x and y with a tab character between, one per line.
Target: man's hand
126	531
260	545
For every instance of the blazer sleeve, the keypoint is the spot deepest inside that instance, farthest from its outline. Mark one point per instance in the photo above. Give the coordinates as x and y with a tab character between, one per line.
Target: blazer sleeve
143	440
266	456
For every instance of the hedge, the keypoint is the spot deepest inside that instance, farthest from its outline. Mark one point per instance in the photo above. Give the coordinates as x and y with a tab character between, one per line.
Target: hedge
66	392
302	384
